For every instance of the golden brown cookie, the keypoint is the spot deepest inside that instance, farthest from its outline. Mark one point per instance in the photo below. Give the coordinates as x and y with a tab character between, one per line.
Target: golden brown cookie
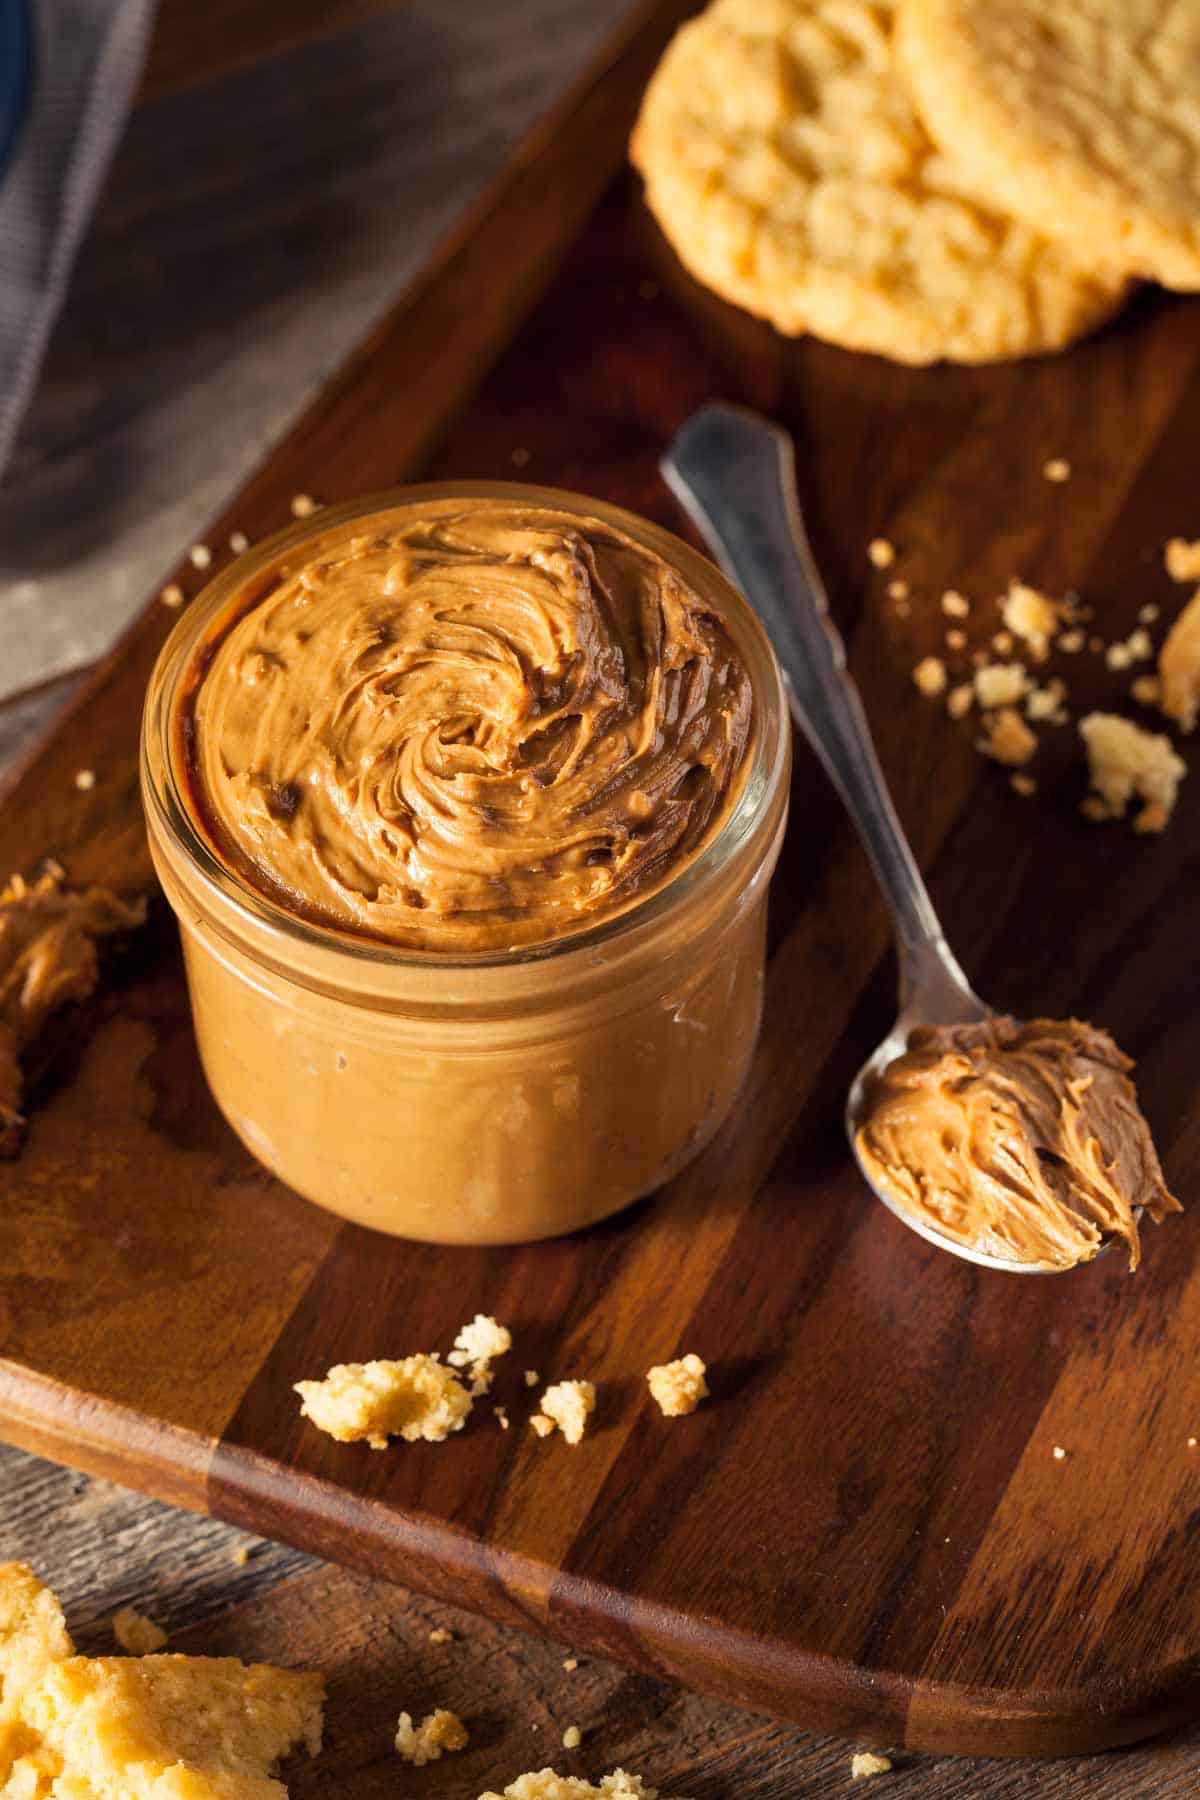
1081	119
785	162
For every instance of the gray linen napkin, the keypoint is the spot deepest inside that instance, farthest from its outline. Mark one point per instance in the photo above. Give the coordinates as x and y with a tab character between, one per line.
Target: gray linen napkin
87	57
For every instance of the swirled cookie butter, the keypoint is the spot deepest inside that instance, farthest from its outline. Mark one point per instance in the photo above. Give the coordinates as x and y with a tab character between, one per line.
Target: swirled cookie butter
469	729
1023	1141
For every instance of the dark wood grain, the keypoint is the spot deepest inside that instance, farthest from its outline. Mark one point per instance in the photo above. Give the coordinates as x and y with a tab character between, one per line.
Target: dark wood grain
866	1527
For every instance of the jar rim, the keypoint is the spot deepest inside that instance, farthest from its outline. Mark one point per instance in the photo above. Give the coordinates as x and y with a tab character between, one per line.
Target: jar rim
164	793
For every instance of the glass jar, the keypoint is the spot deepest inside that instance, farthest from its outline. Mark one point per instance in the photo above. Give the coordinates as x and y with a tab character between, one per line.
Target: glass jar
473	1099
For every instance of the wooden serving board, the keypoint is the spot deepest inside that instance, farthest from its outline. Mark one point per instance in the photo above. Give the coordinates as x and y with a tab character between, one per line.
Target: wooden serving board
866	1527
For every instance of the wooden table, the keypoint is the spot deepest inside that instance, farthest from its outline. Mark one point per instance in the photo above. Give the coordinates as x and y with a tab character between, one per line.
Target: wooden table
257	260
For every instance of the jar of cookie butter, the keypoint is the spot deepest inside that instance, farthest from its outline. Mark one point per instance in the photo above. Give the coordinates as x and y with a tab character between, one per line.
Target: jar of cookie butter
466	798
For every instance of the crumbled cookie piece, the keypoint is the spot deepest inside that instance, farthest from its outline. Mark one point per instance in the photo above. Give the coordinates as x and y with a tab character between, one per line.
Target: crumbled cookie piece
172	595
1071	642
570	1664
1057	469
239	1556
1137	647
959	700
572	1737
200	556
1148	613
136	1633
929	676
85	780
1060	1455
678	1386
1008	738
1182	559
1004	643
478	1344
502	1417
439	1635
413	1398
116	1727
881	553
1024	785
569	1405
1179	666
954	604
303	506
1125	761
544	1784
956	640
898	590
1000	684
1146	690
867	1762
532	1378
1032	616
419	1744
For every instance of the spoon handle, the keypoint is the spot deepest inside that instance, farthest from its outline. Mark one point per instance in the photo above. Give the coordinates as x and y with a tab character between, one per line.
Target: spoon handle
734	474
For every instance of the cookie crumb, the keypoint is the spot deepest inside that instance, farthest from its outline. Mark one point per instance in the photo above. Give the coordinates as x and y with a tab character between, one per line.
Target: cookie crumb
1009	739
172	595
898	590
1030	615
1192	1442
439	1635
678	1386
1060	1455
572	1737
1182	559
502	1415
956	640
201	556
1147	614
414	1398
532	1378
929	677
303	506
570	1664
569	1405
1146	690
959	699
867	1762
136	1633
239	1556
1003	643
1124	761
1000	684
881	552
1024	785
954	604
238	542
442	1731
1046	703
477	1345
1057	469
1071	642
85	779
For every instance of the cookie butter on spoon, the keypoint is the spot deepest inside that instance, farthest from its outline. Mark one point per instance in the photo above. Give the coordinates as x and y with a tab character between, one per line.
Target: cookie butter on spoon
1017	1146
1022	1141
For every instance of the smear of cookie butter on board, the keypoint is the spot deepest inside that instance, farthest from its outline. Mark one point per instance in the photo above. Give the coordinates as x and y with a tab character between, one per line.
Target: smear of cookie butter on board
471	730
1022	1141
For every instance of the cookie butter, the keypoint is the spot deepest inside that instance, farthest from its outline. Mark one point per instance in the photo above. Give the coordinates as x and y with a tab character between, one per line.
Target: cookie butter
466	799
1022	1141
471	731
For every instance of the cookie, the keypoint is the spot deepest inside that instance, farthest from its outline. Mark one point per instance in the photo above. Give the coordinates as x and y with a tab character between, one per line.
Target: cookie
786	164
1081	119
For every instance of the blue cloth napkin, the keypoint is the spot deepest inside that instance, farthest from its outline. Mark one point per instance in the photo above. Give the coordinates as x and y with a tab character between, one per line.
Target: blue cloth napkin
68	69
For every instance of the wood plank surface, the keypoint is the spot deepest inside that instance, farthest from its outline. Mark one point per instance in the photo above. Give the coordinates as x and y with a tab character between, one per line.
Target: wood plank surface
866	1527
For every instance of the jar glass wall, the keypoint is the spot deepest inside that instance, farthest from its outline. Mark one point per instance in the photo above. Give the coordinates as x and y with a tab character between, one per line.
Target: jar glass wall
489	1098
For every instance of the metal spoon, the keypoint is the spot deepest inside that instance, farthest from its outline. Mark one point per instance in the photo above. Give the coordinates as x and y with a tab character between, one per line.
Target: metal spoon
734	474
